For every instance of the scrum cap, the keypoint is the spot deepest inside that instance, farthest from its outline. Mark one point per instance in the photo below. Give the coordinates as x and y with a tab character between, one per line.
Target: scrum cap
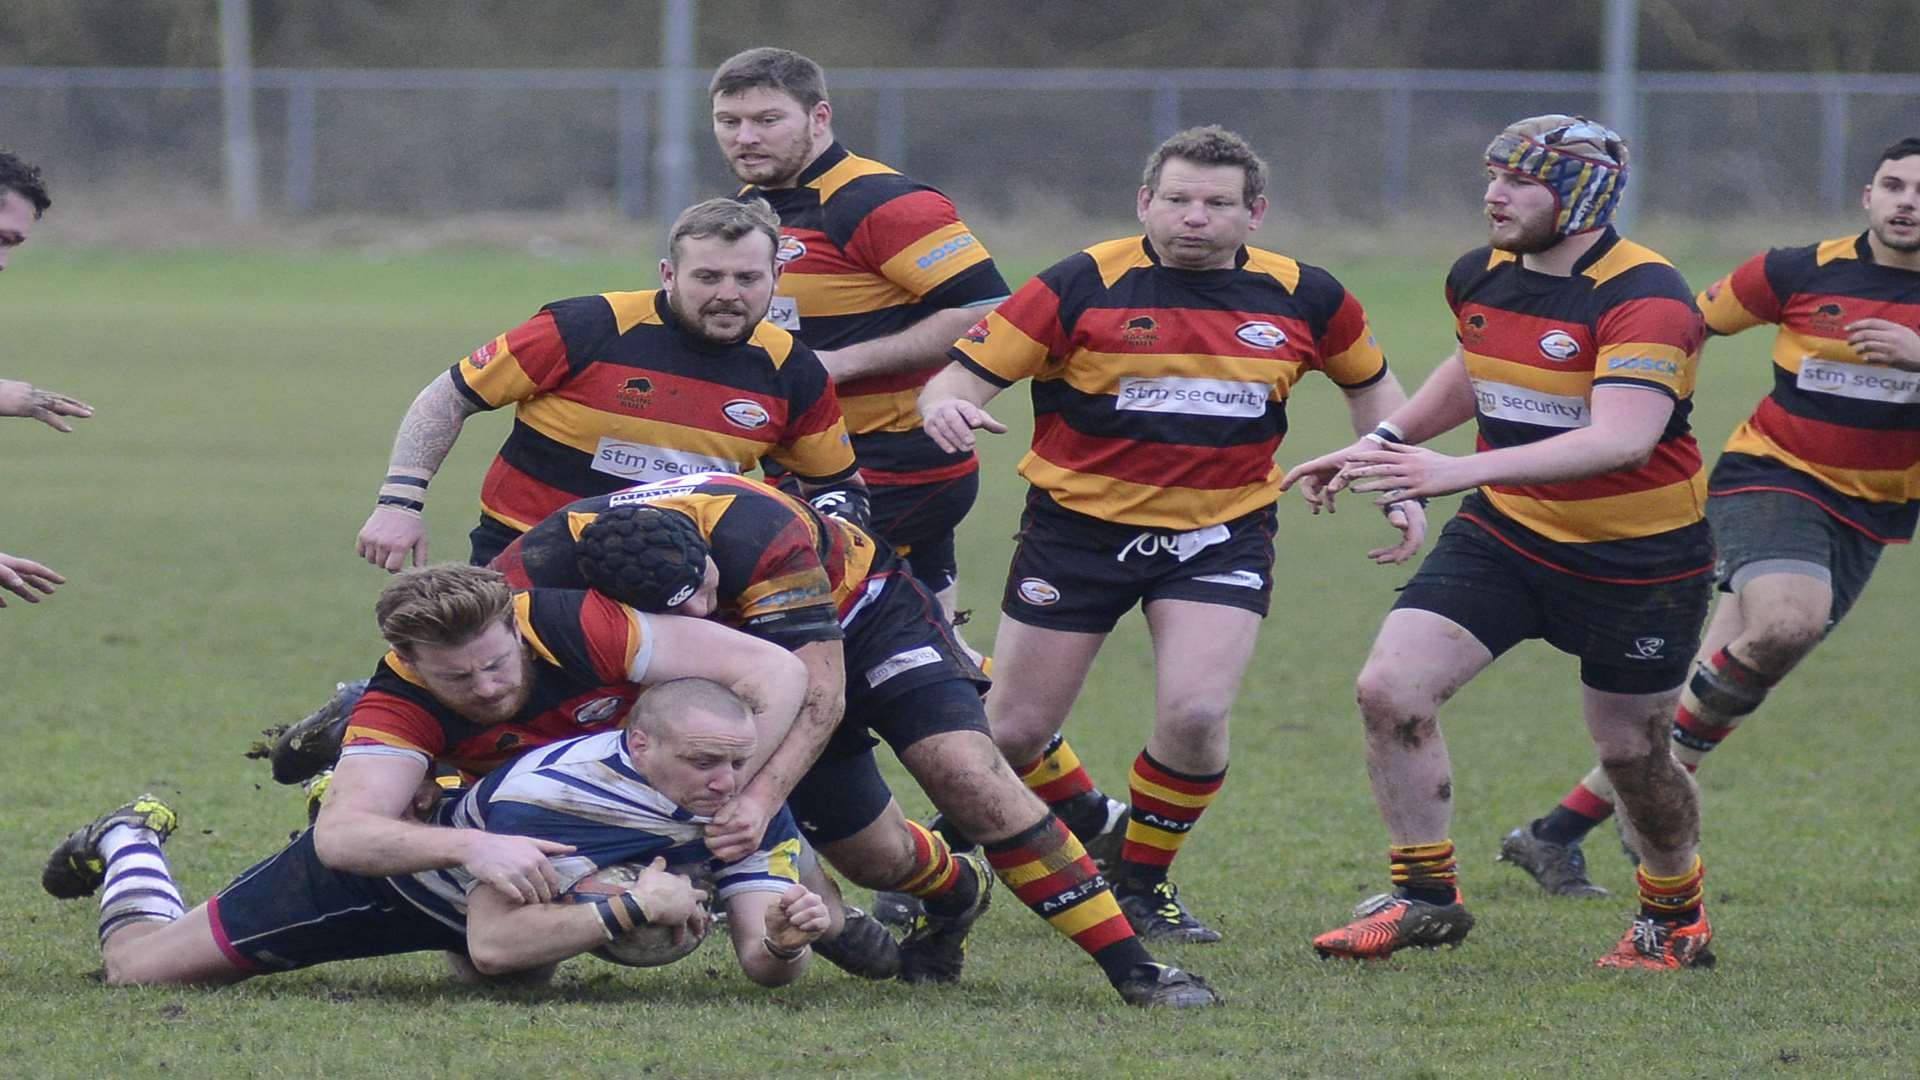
643	556
1583	162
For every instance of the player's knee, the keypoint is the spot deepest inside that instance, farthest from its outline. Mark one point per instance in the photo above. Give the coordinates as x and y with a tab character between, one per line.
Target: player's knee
1394	711
1785	639
1195	720
1021	737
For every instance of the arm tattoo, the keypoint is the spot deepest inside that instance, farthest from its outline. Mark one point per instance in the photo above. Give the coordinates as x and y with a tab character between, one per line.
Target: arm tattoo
428	431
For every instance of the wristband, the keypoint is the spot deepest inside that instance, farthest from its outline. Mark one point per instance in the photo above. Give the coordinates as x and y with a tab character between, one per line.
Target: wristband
1386	431
619	914
785	956
403	492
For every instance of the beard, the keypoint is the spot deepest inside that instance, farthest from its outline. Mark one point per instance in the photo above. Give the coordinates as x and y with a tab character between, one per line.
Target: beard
695	322
1904	247
778	169
1532	238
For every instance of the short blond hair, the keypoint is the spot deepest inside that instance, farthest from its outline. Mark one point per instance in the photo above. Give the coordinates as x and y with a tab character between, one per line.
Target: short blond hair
445	605
728	219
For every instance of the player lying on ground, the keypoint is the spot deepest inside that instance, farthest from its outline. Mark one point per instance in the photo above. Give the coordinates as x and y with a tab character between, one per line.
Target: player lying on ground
598	801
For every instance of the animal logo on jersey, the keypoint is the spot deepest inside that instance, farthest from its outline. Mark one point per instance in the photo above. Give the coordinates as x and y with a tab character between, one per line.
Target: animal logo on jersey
1473	327
1140	332
790	249
1261	335
483	355
747	414
1829	318
507	741
597	711
1559	345
636	393
1038	592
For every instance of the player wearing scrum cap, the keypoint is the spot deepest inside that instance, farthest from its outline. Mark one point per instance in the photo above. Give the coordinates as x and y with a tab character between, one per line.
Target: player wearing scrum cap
1581	525
1810	489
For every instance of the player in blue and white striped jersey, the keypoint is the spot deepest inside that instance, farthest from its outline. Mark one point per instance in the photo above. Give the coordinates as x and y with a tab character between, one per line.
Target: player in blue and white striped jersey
615	798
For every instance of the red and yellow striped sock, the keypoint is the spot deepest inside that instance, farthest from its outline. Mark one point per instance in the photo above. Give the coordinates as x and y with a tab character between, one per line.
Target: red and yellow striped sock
935	878
1675	898
1165	806
1425	871
1049	871
1056	775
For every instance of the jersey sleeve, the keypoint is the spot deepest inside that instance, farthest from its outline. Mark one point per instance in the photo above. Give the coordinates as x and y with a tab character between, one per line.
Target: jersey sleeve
1650	339
1017	339
815	447
917	241
529	359
1745	298
1344	345
586	634
385	724
775	867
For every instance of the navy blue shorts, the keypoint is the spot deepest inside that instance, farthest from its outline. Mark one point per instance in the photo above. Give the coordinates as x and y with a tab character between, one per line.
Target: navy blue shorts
1631	639
1759	532
1078	573
490	538
919	521
290	911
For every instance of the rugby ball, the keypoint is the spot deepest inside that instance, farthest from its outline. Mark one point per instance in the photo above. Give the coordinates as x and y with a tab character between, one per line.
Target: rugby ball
643	946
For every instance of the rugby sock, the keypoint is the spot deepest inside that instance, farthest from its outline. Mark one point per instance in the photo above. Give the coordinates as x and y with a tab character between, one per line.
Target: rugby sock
1425	871
1673	899
1694	738
1165	806
138	887
936	878
1049	871
1063	784
1587	805
1733	691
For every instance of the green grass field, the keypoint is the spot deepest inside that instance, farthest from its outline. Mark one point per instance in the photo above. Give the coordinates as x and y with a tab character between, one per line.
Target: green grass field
206	518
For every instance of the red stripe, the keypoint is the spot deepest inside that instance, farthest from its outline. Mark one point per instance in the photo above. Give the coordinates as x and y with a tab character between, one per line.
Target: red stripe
1145	854
1673	462
1837	446
1655	320
1524	553
1196	331
1057	882
539	350
890	478
1034	310
1172	811
1754	291
220	938
1013	858
1204	786
900	223
1153	464
885	384
1587	804
1104	933
508	492
1515	337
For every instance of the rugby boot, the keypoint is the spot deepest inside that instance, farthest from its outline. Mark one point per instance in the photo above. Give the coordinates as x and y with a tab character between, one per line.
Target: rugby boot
1659	945
1166	986
1561	869
315	791
1103	847
1158	915
301	750
75	868
936	948
862	947
1385	924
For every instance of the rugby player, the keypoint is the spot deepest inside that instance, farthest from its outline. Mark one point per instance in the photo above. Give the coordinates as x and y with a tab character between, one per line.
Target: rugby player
734	549
684	753
1161	369
628	387
880	276
1582	525
23	198
1809	490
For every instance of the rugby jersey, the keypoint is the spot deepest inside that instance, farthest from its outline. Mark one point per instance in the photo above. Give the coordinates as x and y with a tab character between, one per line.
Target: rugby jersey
1835	429
586	792
1160	394
610	390
787	574
588	655
1536	345
866	253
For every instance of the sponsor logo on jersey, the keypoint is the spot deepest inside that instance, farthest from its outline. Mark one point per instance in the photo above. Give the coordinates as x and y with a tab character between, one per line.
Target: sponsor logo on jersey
790	248
483	355
636	393
1500	401
900	662
784	312
1038	592
1192	397
1140	332
1559	345
1261	335
1858	381
597	711
638	461
1655	364
957	244
747	414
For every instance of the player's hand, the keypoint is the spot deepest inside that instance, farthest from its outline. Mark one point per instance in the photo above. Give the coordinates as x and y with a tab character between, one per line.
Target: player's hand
952	422
1411	519
1397	471
1321	478
1879	341
389	534
798	919
667	899
22	576
735	832
24	399
515	865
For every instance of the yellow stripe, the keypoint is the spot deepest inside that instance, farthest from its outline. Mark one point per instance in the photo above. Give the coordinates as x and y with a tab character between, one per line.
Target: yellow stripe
1128	503
905	269
1168	795
851	168
1051	863
582	427
1421	851
523	614
1676	881
1154	838
1115	257
636	637
784	593
819	295
1574	382
1614	517
354	731
630	309
1085	915
501	381
1874	485
1008	351
1623	257
1838	248
824	453
1680	380
1051	767
1100	373
897	410
1724	312
1275	265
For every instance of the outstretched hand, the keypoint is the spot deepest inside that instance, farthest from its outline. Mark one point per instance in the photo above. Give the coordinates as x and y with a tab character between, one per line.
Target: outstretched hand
24	399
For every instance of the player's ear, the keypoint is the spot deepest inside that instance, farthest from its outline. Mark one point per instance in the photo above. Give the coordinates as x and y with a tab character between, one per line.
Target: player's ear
1257	212
1145	199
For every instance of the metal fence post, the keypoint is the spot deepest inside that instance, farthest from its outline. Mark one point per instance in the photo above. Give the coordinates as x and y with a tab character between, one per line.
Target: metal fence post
300	122
1833	147
630	151
1399	134
890	127
1166	112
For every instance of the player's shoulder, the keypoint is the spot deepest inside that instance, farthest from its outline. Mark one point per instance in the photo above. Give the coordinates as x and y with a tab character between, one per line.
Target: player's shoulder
1107	261
778	343
1629	271
610	313
1478	264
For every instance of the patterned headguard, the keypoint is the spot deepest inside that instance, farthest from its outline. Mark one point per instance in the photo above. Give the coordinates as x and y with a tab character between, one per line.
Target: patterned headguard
1583	162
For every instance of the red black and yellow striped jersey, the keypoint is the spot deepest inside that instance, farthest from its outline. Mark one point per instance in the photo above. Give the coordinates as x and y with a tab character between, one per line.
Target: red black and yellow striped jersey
787	574
610	390
1159	394
866	253
1834	429
583	651
1536	345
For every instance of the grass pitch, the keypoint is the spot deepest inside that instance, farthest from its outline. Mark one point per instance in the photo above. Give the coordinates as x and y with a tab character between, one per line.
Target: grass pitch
206	518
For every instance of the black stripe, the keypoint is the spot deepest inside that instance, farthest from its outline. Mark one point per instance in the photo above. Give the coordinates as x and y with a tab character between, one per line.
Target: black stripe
967	362
460	384
405	504
903	451
1842	410
1094	415
408	481
556	464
